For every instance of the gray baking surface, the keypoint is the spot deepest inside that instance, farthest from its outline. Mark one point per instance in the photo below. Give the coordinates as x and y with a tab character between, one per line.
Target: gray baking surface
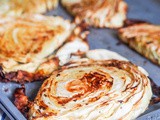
148	10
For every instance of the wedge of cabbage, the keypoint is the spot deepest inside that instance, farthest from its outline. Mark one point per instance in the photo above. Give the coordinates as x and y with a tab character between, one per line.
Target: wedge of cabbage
18	7
96	87
144	38
101	13
35	43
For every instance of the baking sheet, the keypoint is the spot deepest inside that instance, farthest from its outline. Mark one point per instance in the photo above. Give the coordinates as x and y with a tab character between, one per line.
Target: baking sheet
148	10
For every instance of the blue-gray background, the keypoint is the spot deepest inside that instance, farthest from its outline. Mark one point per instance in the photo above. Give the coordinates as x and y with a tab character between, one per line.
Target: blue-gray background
148	10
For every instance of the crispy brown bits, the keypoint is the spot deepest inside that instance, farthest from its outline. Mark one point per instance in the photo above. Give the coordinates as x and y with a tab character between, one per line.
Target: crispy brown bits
130	22
76	86
21	100
2	76
120	101
156	91
78	53
154	100
90	82
155	88
21	76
